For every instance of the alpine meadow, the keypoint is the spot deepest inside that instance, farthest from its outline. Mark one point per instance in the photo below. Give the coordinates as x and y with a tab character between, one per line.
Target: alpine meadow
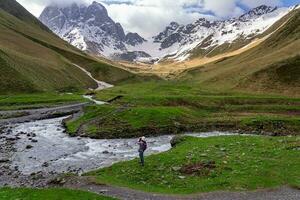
149	100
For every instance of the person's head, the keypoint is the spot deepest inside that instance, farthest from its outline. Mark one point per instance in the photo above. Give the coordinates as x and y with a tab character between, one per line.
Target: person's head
142	139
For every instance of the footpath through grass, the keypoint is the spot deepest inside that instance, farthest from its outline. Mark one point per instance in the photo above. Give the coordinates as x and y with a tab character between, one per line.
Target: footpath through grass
234	163
39	100
154	108
48	194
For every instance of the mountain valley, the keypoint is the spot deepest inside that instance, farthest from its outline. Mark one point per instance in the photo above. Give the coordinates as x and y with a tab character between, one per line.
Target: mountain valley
217	100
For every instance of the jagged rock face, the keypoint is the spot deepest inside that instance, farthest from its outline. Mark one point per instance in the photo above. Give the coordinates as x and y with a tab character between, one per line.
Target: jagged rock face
256	12
167	32
89	28
209	35
134	39
132	56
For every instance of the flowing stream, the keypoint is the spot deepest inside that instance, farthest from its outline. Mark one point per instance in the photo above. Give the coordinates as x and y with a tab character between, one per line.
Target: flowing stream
91	98
43	146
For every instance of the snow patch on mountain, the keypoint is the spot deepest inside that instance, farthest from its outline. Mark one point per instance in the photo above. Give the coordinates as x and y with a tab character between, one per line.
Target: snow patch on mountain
208	35
91	29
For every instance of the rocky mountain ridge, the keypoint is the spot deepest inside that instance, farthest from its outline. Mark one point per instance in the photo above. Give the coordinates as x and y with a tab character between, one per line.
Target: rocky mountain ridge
91	29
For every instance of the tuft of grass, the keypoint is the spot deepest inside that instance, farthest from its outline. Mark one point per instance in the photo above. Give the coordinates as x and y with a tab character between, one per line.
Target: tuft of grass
241	163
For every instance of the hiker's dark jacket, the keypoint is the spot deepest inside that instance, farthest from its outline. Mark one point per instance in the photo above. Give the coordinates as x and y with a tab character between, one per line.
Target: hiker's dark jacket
143	146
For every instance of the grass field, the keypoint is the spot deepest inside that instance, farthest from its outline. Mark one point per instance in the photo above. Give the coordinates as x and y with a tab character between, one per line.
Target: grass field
48	194
38	100
233	163
155	108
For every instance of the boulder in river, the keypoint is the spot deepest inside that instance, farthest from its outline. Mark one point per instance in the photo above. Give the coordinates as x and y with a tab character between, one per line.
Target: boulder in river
45	164
176	140
4	160
105	152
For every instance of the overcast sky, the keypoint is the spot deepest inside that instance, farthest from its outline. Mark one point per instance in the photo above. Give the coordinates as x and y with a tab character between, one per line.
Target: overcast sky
148	17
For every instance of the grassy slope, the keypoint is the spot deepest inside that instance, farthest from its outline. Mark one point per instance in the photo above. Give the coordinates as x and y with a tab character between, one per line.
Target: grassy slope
154	108
240	72
48	194
37	100
34	59
242	163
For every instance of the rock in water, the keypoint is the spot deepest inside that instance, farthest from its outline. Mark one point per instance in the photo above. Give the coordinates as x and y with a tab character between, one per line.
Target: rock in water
176	140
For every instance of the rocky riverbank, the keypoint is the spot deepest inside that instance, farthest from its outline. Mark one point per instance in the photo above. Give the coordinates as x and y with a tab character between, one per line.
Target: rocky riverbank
35	153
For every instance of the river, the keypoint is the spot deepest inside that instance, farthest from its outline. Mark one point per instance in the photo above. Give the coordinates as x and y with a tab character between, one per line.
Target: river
44	146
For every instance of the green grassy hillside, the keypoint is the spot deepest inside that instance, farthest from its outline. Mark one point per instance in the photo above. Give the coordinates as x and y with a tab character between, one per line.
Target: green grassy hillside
33	59
270	67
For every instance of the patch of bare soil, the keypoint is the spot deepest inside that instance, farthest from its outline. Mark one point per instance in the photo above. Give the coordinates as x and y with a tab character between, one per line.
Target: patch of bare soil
200	168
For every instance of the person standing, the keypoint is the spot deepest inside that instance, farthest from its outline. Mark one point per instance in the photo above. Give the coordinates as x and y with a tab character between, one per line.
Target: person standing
142	148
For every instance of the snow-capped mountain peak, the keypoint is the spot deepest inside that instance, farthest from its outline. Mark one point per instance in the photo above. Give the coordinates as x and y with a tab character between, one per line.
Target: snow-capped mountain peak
257	12
89	28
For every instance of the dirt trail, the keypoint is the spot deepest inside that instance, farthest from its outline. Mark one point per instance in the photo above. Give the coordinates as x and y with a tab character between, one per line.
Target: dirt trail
42	113
101	85
85	183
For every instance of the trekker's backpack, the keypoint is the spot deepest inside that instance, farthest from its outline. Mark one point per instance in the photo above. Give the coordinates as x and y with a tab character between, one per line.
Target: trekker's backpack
144	146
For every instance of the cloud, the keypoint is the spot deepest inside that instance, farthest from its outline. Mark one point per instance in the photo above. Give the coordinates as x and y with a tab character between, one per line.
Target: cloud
226	8
251	3
148	17
44	3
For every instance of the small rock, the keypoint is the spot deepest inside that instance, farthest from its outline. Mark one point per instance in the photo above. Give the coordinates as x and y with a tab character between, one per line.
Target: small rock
176	140
4	160
33	174
34	141
29	147
58	181
45	164
176	168
11	139
181	177
105	152
103	191
222	149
